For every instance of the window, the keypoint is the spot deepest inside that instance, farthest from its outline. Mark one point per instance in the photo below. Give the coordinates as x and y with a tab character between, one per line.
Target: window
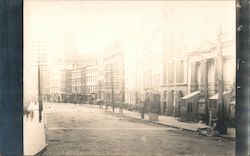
170	73
211	72
179	72
165	95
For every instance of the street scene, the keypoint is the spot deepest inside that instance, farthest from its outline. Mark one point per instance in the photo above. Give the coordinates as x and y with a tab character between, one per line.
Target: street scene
129	78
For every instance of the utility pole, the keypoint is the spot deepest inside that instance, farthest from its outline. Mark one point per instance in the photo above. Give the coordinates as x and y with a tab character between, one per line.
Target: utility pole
40	104
221	127
143	51
142	108
112	88
123	93
99	93
75	93
39	65
106	85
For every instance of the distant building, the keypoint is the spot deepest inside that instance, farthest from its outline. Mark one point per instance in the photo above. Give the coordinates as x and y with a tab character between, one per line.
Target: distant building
75	79
76	85
68	89
91	81
84	84
60	83
45	83
114	75
55	84
65	85
146	53
100	79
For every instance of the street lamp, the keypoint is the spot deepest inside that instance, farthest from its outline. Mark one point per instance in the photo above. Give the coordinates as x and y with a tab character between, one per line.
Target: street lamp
112	87
75	94
142	101
121	103
40	104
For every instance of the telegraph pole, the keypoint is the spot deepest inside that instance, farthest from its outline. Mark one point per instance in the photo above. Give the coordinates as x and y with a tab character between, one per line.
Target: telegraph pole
123	94
106	85
39	88
40	63
99	94
221	127
112	88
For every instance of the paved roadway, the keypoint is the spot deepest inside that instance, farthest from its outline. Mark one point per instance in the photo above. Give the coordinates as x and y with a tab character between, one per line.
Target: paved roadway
81	130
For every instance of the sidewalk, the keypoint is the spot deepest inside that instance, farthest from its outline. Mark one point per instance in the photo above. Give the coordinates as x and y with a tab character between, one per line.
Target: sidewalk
169	121
34	139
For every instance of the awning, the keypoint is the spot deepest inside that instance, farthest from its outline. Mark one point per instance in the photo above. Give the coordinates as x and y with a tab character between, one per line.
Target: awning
215	97
190	95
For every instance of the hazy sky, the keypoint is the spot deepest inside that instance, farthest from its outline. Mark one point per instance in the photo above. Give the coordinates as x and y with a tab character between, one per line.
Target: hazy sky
89	27
66	27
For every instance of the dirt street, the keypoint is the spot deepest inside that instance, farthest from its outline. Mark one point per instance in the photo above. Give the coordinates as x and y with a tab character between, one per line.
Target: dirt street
81	130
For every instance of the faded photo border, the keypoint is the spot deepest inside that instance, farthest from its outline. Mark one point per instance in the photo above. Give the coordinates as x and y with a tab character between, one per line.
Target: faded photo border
11	77
242	77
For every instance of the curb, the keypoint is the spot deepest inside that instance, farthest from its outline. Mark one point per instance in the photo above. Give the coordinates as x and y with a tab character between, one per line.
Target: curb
154	122
41	152
228	137
158	123
174	126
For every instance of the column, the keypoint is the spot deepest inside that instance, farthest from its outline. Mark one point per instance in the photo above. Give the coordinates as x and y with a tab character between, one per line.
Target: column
204	86
204	78
175	105
174	100
167	103
215	76
193	86
162	101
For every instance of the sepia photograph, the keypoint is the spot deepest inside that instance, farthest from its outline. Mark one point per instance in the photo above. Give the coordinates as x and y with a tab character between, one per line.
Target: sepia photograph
128	77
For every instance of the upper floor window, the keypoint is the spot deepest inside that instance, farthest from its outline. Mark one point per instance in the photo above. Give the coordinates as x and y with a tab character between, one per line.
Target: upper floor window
180	72
171	73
